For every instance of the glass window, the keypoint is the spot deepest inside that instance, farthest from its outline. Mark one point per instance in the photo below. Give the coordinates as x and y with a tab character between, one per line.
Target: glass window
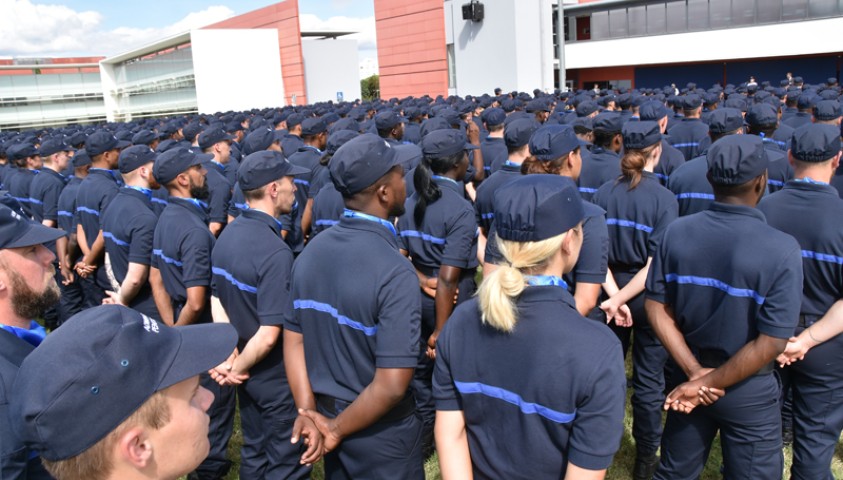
769	12
637	17
697	14
677	17
656	19
720	13
822	8
617	23
599	25
794	9
452	67
743	12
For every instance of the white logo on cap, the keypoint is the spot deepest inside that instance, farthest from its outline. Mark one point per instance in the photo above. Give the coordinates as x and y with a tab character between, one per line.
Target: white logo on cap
149	324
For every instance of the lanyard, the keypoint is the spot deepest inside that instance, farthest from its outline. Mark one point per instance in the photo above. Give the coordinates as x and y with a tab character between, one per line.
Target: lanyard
34	335
202	206
142	190
440	177
110	172
810	180
512	164
219	165
545	280
355	214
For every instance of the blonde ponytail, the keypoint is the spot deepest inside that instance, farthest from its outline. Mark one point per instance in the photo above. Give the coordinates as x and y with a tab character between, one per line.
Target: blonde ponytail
499	290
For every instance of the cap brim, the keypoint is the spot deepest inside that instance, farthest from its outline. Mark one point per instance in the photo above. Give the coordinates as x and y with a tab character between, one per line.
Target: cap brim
36	234
202	348
294	170
122	144
199	158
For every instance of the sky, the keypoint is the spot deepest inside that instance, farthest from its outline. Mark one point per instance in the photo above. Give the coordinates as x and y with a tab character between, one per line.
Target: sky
61	28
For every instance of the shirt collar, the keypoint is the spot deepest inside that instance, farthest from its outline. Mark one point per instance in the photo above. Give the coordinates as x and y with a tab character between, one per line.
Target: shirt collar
361	223
547	294
263	217
445	182
105	173
143	194
730	209
197	207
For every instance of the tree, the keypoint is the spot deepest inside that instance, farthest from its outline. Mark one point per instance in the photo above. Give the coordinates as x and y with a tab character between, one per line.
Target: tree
370	88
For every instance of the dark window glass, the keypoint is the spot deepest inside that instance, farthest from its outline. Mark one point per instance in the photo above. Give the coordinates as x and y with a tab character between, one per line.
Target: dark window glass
637	20
656	23
697	14
769	11
720	13
599	25
617	23
822	8
743	12
677	16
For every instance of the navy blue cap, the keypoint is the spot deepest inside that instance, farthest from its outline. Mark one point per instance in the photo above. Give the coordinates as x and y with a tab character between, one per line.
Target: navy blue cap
258	140
77	138
493	116
762	115
102	365
344	124
736	159
827	110
443	143
294	119
691	102
144	137
102	141
81	158
212	136
135	157
653	110
537	207
54	145
805	101
538	105
265	166
313	126
608	122
517	133
338	139
191	130
554	141
725	120
361	162
19	151
640	135
387	120
585	109
173	162
815	142
17	231
167	144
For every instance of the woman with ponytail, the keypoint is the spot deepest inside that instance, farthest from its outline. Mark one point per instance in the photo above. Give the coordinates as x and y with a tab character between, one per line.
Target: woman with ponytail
439	234
525	387
638	210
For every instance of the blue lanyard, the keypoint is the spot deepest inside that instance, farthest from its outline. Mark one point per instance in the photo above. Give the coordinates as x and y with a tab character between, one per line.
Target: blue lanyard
34	335
545	280
313	148
810	180
142	190
202	206
355	214
219	165
511	164
110	172
440	177
35	171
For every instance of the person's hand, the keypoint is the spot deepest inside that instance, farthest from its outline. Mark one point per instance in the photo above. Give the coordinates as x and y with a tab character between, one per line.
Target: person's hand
112	298
795	350
623	317
84	270
327	427
472	132
429	285
304	428
227	374
431	345
66	273
612	309
684	398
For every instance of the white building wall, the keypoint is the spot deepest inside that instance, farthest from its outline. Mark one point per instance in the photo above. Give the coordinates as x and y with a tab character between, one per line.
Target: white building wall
512	48
256	82
784	39
331	67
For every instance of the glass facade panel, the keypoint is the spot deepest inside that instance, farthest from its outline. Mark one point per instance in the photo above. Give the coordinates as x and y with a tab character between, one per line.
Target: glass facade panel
769	11
656	22
600	25
743	12
51	99
617	23
822	8
720	13
794	9
637	20
677	17
697	14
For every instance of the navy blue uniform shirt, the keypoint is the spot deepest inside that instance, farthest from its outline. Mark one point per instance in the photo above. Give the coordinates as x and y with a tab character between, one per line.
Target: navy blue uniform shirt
181	250
356	302
448	233
798	119
44	195
603	166
669	161
253	285
67	205
495	154
691	187
728	277
412	133
18	186
779	170
220	192
128	227
484	200
327	208
92	199
160	198
308	157
550	392
290	144
811	213
636	218
689	136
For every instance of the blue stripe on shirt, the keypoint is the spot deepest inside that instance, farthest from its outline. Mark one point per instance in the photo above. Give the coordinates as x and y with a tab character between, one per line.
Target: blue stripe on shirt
114	239
423	236
714	283
88	210
629	224
822	257
240	285
171	261
341	319
528	408
695	196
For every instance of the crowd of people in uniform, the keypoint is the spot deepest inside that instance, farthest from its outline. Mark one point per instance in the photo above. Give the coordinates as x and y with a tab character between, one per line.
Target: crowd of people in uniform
317	267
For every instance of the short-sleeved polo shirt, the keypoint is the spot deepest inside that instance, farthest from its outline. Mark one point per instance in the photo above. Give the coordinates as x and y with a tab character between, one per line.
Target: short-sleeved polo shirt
690	185
44	195
484	201
602	166
94	194
19	188
495	154
219	192
554	387
357	306
728	277
327	208
67	205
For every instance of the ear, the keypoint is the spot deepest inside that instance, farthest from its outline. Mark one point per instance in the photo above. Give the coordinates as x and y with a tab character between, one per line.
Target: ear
792	161
135	448
836	162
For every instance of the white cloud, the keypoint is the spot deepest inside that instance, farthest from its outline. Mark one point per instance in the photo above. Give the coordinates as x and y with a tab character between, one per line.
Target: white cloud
28	29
